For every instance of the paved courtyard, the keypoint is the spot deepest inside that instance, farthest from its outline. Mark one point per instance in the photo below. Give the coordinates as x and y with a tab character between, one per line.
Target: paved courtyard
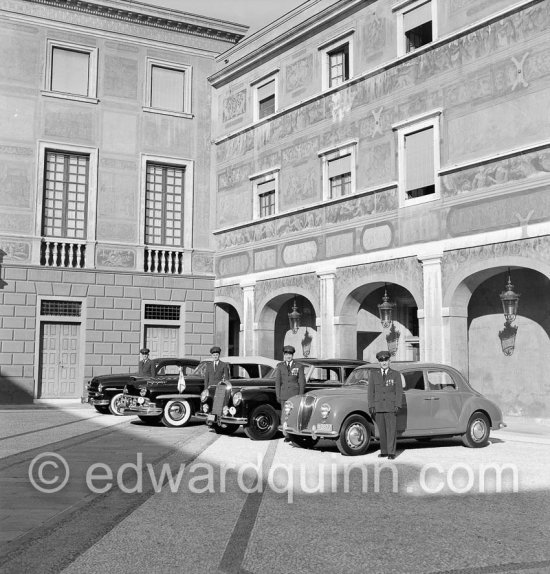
187	500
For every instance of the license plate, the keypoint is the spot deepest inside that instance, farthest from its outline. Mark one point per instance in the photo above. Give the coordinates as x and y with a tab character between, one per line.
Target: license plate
324	427
211	418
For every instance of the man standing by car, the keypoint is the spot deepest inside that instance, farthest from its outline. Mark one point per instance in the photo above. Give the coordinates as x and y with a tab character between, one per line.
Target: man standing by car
216	370
146	366
289	376
385	397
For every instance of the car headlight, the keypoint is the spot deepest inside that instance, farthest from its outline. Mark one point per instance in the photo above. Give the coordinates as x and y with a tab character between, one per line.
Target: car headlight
205	408
225	411
288	407
100	387
204	396
89	385
232	411
325	410
142	392
237	399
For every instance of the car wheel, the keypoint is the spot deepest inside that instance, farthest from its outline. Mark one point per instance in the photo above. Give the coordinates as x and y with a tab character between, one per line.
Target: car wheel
477	431
176	413
152	420
227	429
303	441
103	409
263	424
115	408
355	436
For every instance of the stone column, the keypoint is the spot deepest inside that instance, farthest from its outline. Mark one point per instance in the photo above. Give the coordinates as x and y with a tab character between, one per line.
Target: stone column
326	320
430	318
247	326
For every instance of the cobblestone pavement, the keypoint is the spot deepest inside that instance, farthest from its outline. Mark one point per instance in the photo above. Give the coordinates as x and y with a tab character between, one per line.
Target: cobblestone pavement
228	504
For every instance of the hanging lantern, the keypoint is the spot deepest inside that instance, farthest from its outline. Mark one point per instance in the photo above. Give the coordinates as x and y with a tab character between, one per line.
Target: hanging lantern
294	318
386	310
509	299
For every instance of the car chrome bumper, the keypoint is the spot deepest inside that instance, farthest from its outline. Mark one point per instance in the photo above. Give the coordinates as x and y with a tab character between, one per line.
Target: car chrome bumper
211	419
141	410
285	429
94	402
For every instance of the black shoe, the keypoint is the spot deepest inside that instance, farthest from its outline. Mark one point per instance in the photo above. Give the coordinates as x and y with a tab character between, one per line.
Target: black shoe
391	456
382	455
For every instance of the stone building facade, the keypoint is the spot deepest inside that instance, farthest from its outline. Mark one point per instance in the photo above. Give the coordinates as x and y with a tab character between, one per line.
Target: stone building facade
399	149
105	178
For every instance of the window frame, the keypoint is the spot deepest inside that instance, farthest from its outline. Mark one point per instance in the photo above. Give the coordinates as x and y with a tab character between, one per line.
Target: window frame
92	52
405	7
258	179
403	129
256	87
187	200
91	207
331	154
327	49
187	70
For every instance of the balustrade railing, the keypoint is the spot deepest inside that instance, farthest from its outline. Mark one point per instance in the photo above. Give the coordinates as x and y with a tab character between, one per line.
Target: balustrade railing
165	261
62	253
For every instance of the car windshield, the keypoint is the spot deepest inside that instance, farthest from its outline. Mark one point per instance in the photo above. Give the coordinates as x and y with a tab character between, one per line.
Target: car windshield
358	377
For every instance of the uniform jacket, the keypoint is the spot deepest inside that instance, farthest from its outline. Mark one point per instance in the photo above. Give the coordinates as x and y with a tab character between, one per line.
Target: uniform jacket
214	376
146	368
289	381
385	397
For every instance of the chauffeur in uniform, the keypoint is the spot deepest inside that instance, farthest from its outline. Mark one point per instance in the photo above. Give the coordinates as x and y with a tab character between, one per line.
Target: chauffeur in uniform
146	367
384	397
289	376
216	370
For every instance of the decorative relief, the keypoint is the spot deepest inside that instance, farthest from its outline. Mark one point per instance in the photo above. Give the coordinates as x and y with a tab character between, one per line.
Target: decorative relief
15	184
300	185
500	213
233	207
233	292
299	74
300	252
308	282
377	237
234	106
15	250
265	259
374	36
535	249
109	257
203	263
340	244
16	150
351	209
120	77
300	150
232	176
119	164
401	271
268	160
17	224
70	125
299	222
233	265
237	146
498	172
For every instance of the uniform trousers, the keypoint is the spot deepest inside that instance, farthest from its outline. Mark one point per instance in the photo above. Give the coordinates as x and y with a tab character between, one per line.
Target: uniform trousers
387	427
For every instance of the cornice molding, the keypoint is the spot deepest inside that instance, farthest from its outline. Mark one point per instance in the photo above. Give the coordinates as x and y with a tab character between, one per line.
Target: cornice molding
151	16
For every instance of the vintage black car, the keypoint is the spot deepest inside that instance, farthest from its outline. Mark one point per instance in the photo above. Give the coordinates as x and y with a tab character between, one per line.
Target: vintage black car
104	392
253	403
159	399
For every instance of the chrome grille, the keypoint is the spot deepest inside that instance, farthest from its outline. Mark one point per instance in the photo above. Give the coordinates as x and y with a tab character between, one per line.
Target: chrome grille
220	398
306	409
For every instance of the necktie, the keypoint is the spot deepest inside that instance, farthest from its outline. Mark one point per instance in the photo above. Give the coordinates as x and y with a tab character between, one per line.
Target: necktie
288	367
384	375
215	365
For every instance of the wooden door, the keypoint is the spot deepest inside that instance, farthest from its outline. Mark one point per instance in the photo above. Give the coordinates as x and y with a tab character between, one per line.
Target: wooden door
162	341
59	356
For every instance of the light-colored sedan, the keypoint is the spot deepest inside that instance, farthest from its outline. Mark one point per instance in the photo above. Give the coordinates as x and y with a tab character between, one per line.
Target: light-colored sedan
437	402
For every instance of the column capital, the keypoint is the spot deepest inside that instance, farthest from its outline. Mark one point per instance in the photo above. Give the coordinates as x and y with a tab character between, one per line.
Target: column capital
330	274
248	285
432	258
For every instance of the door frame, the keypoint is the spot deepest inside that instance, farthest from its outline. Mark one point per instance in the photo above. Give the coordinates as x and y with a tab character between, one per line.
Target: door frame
40	319
180	324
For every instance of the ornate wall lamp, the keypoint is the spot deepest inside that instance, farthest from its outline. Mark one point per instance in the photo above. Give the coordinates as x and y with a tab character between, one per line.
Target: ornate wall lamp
294	318
509	300
385	309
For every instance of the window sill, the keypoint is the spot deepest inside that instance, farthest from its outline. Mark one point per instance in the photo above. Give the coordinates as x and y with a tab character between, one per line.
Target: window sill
73	97
187	115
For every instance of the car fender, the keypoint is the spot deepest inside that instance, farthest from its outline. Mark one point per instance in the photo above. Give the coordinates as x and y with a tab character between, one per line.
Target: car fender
342	408
480	403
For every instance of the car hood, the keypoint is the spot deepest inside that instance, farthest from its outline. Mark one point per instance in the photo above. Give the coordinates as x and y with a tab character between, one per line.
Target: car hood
116	379
339	391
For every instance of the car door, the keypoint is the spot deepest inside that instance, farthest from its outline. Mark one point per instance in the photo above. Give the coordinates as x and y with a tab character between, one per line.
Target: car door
320	377
445	400
416	414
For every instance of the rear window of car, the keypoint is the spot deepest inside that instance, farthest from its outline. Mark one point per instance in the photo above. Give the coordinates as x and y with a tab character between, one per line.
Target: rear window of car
358	377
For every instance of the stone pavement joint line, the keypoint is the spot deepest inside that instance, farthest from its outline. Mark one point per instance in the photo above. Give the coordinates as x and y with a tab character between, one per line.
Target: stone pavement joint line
43	429
70	533
541	566
231	562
